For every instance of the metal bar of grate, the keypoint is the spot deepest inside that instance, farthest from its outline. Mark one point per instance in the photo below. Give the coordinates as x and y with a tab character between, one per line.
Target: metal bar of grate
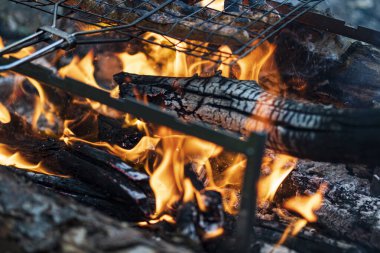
252	148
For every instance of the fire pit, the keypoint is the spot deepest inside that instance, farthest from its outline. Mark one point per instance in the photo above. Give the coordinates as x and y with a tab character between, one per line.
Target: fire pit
158	114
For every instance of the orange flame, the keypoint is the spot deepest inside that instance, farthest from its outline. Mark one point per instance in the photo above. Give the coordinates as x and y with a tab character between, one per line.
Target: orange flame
5	117
42	106
168	179
280	169
305	206
8	157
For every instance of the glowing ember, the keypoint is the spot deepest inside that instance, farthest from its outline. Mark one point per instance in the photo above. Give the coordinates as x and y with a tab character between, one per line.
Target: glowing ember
5	117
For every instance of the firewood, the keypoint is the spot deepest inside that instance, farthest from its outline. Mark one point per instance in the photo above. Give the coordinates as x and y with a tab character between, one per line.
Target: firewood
81	192
112	175
301	129
36	220
348	211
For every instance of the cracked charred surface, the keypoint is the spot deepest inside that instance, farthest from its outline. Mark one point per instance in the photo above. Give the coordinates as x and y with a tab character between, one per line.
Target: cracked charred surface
34	220
349	211
301	129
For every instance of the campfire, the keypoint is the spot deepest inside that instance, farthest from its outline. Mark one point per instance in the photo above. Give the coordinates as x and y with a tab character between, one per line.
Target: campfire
194	126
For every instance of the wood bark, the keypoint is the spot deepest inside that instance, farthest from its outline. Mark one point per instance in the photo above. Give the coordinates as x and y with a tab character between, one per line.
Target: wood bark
301	129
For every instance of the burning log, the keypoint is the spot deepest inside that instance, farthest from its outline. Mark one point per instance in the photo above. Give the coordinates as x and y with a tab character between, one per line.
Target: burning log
300	129
35	220
178	18
118	180
349	211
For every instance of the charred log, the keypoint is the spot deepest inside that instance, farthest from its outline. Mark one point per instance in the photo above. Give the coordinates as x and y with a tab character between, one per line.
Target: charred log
300	129
349	211
117	179
81	192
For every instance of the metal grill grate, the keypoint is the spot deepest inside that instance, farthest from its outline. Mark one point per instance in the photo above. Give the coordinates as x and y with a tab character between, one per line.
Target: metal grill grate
242	27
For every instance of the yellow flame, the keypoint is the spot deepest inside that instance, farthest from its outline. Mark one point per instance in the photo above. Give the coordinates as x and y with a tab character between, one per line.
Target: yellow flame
307	205
20	54
42	105
280	169
8	157
292	230
5	116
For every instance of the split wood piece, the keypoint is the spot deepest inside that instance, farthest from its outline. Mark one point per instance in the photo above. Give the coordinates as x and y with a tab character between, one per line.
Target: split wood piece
304	130
85	194
35	220
348	211
181	21
113	176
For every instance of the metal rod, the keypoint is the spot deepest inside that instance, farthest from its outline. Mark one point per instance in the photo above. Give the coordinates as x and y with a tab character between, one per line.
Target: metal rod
244	230
135	22
10	47
32	57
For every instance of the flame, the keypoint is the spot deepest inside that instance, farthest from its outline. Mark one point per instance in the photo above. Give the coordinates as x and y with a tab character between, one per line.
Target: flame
5	116
20	54
8	157
42	106
213	4
306	205
174	151
280	169
165	62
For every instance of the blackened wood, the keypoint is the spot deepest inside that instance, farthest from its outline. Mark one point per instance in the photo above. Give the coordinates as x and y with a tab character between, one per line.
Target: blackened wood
117	186
113	176
84	193
301	129
324	68
35	220
348	211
